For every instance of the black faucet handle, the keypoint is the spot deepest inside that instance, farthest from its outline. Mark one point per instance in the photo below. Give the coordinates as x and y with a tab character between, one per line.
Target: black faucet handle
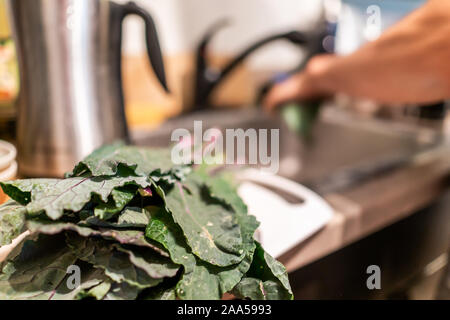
297	37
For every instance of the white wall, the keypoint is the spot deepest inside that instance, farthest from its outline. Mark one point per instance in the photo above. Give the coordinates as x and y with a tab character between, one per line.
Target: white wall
181	23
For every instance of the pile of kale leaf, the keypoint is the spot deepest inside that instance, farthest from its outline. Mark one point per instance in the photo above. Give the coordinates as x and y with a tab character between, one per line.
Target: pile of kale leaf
131	225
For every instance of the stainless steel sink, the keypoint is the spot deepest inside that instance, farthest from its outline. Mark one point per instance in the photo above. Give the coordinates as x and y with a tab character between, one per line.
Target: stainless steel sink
342	149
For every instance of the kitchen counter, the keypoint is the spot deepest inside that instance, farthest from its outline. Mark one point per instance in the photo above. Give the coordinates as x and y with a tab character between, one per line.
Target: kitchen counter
375	204
413	166
362	208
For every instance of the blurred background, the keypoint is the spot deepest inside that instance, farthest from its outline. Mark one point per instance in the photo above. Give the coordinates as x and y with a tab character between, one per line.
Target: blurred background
72	78
182	25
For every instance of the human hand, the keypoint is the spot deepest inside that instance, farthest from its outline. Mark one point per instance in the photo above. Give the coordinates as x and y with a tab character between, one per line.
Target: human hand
409	63
303	86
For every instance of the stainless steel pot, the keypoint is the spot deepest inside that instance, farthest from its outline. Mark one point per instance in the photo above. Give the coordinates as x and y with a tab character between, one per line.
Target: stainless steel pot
71	98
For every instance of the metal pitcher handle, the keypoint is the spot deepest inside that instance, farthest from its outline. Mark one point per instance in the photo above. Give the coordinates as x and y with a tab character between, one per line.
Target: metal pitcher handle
151	35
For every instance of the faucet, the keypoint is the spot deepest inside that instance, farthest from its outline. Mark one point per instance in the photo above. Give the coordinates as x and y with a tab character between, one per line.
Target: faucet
207	78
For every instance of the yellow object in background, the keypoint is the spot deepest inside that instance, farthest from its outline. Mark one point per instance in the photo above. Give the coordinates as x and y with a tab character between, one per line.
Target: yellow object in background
9	78
5	31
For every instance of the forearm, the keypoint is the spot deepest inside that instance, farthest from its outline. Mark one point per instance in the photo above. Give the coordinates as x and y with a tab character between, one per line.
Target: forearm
408	63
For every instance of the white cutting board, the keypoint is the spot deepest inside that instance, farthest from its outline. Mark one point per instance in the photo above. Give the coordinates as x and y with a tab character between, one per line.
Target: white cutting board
284	224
